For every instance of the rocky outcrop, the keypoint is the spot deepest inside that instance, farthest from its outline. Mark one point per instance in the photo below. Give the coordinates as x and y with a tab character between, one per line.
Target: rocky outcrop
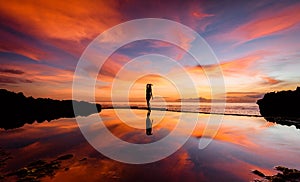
284	174
16	109
282	107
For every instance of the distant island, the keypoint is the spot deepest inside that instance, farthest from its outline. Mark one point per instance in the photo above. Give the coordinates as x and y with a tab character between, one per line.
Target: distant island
16	109
282	107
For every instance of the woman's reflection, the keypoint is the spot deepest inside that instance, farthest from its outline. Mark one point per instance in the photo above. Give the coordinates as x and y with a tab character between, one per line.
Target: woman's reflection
148	124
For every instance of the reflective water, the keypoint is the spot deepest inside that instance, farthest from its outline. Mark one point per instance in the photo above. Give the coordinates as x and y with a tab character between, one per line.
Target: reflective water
241	145
247	109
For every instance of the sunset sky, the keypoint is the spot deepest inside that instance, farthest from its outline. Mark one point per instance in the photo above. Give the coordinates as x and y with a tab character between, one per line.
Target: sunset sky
256	42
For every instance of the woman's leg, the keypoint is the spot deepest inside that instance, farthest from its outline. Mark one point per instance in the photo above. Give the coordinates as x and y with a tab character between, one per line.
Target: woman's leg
148	104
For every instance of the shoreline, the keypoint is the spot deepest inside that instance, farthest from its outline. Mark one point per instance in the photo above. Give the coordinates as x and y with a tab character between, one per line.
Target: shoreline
165	109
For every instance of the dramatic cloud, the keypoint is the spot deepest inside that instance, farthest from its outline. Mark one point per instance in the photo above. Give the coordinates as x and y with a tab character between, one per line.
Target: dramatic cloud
31	27
7	79
270	80
271	21
256	42
66	20
12	71
240	66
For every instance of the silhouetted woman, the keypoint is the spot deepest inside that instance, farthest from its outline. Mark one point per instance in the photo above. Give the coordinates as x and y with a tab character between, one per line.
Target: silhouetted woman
149	95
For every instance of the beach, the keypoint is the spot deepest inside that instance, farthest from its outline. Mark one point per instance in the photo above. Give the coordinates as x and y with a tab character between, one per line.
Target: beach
150	91
242	144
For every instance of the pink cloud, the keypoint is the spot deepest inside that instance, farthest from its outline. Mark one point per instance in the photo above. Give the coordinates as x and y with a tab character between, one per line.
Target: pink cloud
270	23
267	23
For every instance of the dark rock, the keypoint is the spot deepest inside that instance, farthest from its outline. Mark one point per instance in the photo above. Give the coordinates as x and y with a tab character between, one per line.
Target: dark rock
16	109
282	107
258	173
4	156
83	159
65	157
286	175
38	169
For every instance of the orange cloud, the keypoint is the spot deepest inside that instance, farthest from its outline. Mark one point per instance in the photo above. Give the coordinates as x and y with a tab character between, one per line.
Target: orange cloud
112	66
67	20
239	66
270	80
56	21
240	75
37	80
14	44
42	73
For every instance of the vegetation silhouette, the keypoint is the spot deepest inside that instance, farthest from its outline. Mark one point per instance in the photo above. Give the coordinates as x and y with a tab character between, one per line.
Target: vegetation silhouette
281	107
18	109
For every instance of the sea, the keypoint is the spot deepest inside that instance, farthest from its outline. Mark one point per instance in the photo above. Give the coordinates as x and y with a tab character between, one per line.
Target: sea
243	109
137	145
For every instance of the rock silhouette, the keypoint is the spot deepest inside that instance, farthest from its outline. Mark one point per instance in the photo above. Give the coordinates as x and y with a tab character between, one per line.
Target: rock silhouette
282	107
284	174
16	109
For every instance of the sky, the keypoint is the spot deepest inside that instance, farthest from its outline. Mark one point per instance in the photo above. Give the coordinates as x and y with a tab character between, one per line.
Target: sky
256	42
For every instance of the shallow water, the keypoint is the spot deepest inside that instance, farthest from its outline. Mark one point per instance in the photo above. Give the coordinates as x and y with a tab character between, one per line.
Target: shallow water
241	145
247	109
